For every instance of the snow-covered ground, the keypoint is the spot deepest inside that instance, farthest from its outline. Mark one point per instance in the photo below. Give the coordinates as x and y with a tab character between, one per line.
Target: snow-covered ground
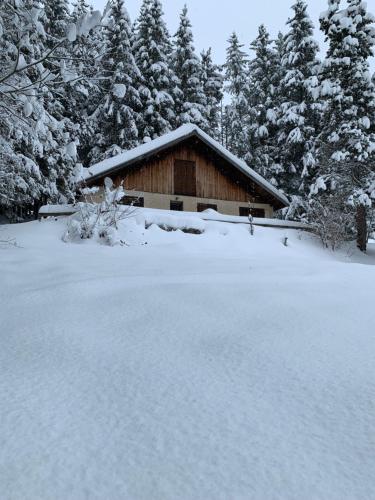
213	366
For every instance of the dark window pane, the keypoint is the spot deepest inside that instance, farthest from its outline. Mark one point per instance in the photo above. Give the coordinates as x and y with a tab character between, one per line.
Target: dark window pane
255	212
178	206
133	200
205	206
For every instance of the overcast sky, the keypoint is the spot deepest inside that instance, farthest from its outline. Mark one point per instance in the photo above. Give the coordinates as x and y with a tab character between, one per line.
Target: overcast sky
214	20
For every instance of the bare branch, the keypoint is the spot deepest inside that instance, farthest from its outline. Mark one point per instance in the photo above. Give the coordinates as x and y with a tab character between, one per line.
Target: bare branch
32	64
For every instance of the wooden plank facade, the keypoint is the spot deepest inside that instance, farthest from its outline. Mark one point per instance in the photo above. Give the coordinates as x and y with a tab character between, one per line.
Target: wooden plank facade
159	175
213	178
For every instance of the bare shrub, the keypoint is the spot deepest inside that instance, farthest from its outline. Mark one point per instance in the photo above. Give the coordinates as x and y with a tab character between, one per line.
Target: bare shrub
332	220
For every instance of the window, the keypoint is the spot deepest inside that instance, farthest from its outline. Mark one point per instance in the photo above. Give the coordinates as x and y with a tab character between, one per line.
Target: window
185	178
255	212
133	200
178	206
205	206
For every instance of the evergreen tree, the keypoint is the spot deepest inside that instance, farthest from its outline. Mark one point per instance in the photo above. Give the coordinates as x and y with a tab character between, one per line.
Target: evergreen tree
264	77
298	119
191	105
37	157
20	179
225	125
82	93
212	82
83	67
56	22
117	118
80	8
85	95
153	51
236	114
57	17
280	43
346	159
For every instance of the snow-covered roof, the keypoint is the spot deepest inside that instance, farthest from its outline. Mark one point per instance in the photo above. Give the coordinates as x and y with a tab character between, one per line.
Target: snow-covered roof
109	165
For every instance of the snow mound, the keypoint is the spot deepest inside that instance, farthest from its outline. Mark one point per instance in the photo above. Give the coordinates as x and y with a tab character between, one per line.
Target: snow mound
174	223
209	211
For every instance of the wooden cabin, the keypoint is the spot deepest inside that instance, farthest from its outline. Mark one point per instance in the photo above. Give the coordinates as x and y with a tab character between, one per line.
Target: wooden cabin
187	170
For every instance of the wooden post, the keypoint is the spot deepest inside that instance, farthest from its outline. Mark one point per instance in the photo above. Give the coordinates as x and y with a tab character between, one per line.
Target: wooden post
36	209
361	228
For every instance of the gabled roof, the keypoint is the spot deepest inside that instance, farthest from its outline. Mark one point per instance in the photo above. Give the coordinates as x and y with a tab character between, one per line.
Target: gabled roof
109	166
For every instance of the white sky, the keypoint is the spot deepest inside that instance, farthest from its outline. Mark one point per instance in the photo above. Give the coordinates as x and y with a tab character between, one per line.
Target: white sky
214	20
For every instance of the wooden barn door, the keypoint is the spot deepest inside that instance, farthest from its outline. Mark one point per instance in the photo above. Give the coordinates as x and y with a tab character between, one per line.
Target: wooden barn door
185	182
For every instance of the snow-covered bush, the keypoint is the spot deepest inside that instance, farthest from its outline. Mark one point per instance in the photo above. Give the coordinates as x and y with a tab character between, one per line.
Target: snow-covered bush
297	210
99	220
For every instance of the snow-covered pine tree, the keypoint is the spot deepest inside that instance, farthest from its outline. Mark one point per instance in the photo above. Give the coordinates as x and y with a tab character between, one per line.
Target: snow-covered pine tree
117	117
80	8
212	81
263	100
82	94
36	157
82	62
225	125
57	165
20	180
280	48
298	119
191	105
86	93
57	17
236	113
56	21
153	51
346	159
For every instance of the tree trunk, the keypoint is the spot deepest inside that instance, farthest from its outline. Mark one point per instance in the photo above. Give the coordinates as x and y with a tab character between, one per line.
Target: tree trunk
36	208
361	228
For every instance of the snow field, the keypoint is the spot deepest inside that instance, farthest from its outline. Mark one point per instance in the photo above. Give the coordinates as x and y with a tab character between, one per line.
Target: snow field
213	366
